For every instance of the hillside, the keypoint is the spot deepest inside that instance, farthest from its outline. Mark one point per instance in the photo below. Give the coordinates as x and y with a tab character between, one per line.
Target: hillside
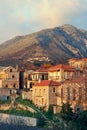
55	45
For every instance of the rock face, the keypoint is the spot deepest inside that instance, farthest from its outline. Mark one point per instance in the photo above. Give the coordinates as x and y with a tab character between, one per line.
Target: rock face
56	45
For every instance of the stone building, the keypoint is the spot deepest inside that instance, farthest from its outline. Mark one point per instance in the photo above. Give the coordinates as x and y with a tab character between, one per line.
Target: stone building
40	74
44	93
9	77
7	93
61	72
75	92
26	94
79	64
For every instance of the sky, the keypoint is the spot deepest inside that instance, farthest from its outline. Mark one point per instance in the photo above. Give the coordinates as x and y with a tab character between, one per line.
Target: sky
21	17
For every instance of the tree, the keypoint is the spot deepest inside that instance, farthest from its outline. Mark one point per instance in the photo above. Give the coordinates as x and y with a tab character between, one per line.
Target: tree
81	121
66	112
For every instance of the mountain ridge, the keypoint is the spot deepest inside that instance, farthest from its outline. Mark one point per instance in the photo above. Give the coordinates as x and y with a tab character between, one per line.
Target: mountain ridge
55	45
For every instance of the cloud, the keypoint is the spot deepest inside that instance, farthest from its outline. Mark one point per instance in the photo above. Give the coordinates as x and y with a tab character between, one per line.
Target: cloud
20	17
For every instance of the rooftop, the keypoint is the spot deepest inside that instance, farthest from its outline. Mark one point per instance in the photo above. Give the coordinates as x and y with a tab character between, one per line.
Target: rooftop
61	66
47	83
41	70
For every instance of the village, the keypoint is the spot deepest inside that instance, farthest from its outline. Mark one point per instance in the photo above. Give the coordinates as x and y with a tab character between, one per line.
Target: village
47	86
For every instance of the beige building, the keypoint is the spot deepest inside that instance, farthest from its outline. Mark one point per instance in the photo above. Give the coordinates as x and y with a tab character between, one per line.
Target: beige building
44	93
79	64
9	77
26	94
75	92
61	72
40	74
7	93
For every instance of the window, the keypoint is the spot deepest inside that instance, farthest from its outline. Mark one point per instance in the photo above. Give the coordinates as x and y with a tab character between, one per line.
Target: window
42	76
61	92
13	76
30	84
68	93
44	90
74	94
80	93
54	90
6	85
14	85
10	70
10	91
42	101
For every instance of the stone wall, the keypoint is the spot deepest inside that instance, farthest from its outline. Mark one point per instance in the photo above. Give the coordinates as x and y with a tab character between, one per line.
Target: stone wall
18	120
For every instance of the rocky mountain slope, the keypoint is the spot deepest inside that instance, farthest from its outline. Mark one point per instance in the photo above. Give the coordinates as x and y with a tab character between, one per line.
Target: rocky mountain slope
56	45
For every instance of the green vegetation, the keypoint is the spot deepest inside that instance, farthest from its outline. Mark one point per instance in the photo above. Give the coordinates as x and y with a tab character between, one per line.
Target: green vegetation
81	121
66	112
17	112
24	102
5	102
65	120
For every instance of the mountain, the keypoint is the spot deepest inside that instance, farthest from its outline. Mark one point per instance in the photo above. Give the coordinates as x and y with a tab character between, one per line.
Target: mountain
55	45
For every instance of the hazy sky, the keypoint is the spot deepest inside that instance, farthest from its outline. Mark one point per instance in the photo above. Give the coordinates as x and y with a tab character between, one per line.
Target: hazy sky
20	17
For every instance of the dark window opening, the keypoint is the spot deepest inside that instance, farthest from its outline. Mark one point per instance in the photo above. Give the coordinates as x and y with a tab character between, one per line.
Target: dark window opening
13	76
68	93
74	94
14	85
6	85
10	70
7	97
54	90
42	76
31	84
61	92
10	91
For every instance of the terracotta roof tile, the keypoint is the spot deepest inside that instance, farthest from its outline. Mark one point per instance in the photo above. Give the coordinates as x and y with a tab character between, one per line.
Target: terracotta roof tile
77	60
77	80
47	83
41	70
84	59
65	67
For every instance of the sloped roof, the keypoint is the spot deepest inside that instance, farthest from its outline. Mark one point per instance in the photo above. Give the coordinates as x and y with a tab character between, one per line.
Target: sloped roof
65	67
84	59
4	68
47	83
73	59
77	80
41	70
77	60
